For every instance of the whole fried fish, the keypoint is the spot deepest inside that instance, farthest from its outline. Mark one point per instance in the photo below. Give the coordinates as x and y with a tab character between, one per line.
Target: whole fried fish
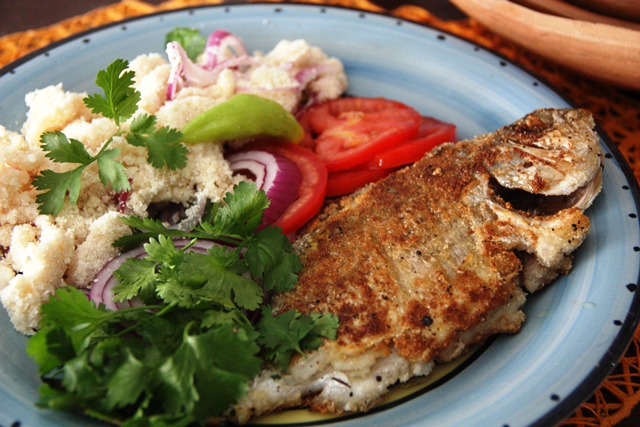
435	257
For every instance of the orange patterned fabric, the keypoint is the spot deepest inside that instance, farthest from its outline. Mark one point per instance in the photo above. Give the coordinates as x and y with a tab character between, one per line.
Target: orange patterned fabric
617	112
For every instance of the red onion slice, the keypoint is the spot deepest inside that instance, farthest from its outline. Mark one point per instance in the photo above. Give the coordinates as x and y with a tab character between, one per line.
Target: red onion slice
308	74
184	72
218	43
278	176
102	288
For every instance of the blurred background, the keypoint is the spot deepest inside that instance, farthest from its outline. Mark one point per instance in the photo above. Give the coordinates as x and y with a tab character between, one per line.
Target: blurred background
19	15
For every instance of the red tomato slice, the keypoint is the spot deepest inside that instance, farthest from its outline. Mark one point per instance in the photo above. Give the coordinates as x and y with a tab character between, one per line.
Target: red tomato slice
347	132
313	188
345	182
432	132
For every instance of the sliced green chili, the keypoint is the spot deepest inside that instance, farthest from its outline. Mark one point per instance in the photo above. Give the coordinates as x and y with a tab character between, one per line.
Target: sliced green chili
243	116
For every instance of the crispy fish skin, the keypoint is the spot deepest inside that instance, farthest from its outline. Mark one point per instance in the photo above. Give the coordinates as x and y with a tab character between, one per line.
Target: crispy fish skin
435	257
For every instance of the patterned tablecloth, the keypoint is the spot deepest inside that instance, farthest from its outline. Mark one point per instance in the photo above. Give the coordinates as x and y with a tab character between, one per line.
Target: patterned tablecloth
616	111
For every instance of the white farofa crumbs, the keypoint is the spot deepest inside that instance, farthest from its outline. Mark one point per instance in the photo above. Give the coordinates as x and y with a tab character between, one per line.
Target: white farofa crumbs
41	252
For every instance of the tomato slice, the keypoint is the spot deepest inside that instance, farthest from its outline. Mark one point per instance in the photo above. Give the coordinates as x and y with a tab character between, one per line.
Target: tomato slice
345	182
313	188
347	132
432	133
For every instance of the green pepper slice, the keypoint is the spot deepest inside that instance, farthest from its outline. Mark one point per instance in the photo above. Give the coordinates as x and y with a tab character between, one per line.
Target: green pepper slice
243	116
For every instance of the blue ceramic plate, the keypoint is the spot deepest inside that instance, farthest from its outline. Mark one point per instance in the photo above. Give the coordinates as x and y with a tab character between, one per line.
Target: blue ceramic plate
576	329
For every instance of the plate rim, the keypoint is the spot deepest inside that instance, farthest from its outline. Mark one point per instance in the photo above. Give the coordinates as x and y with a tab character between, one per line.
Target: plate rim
628	326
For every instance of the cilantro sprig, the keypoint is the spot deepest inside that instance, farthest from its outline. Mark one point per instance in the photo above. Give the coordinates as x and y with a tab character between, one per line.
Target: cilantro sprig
267	253
189	348
119	102
120	99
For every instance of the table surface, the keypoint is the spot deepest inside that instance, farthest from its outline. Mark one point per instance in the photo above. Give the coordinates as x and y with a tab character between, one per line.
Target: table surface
24	15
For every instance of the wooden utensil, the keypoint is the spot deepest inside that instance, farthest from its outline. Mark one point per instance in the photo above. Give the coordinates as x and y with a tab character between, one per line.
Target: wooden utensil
601	51
562	8
629	10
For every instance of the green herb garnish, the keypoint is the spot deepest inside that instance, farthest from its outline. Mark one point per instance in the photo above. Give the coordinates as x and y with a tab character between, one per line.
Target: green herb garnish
191	350
191	40
119	103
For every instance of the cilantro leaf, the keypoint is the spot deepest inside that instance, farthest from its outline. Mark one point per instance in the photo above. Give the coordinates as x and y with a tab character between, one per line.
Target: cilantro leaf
141	125
135	277
163	145
54	398
50	348
86	316
173	289
325	325
221	375
164	251
191	40
152	229
185	278
291	332
63	150
79	377
222	317
162	334
217	276
120	99
227	382
219	271
111	171
56	186
127	383
269	256
242	212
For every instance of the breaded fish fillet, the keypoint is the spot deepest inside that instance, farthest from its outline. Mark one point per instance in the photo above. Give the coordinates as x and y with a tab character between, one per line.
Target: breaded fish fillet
435	257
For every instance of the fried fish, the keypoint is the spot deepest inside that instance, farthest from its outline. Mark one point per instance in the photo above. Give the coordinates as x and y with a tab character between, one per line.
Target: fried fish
436	257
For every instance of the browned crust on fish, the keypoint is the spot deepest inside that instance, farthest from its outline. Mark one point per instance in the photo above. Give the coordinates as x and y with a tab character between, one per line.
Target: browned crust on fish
419	258
357	268
436	257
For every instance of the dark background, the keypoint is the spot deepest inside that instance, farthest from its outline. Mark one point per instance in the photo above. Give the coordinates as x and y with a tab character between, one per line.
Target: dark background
19	15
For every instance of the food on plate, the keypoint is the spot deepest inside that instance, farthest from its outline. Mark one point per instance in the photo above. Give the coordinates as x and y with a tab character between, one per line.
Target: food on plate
349	131
434	258
362	140
189	326
312	185
293	73
228	121
198	299
125	157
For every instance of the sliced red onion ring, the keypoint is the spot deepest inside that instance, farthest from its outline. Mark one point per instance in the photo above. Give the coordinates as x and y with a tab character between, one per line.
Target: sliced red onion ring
102	288
184	72
235	62
278	176
308	74
218	43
